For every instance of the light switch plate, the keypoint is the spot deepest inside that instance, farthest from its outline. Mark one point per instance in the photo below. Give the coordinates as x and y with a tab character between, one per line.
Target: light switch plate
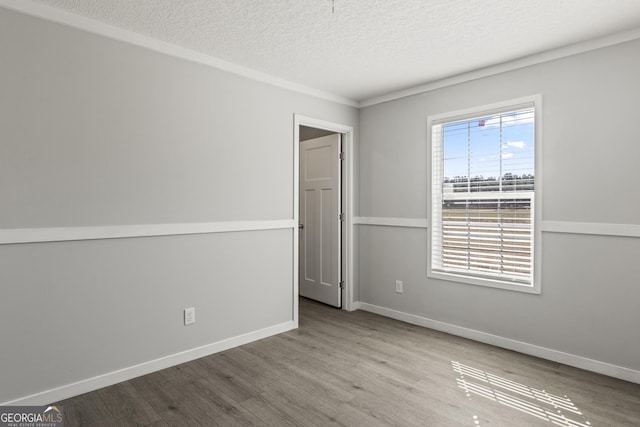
189	316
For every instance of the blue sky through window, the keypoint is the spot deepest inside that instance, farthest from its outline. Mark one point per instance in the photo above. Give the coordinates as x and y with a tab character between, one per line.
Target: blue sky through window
490	147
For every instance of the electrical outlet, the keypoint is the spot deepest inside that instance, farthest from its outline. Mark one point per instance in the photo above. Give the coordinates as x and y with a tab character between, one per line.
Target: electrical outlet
399	286
189	316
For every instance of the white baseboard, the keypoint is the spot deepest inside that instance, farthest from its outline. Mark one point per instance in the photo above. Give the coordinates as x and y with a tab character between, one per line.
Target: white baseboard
357	305
100	381
519	346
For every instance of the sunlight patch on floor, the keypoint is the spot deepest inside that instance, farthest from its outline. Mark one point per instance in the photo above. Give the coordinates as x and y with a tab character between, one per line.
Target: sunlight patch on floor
558	410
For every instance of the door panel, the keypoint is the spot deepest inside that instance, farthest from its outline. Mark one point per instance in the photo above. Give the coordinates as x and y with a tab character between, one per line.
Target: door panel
308	255
319	216
328	214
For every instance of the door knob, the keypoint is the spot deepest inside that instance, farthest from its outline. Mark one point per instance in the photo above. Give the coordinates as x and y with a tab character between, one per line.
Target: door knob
301	226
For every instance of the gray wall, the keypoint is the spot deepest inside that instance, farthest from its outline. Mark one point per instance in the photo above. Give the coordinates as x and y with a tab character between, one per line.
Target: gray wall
95	132
590	284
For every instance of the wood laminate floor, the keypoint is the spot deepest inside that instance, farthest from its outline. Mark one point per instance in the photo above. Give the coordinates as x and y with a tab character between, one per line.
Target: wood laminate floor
360	369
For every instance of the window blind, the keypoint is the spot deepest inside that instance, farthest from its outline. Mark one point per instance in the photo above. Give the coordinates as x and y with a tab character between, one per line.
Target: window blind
483	196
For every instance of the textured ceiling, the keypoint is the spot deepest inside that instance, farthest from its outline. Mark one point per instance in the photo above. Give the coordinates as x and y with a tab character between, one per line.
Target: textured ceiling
364	48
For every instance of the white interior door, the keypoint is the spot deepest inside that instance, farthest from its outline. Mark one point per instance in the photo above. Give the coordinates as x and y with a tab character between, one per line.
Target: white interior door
320	220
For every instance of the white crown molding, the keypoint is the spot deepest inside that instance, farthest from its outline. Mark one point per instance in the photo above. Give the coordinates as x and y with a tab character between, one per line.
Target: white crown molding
508	343
100	381
63	234
59	16
526	61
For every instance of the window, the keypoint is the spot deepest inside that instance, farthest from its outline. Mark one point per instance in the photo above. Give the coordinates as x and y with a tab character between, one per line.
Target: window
483	196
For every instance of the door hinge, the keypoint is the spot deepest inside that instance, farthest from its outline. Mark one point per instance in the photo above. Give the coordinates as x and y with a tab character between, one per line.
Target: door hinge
341	217
341	156
342	284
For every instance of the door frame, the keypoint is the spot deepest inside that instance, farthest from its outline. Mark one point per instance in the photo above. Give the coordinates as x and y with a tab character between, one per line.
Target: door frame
347	205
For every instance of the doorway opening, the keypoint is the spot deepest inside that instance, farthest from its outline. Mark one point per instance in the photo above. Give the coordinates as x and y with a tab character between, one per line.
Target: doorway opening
320	216
323	212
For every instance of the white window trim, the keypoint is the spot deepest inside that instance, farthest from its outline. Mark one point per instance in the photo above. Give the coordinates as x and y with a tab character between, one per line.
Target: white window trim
514	104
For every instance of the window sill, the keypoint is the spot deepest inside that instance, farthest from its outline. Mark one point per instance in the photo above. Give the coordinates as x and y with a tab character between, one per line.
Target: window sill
486	282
